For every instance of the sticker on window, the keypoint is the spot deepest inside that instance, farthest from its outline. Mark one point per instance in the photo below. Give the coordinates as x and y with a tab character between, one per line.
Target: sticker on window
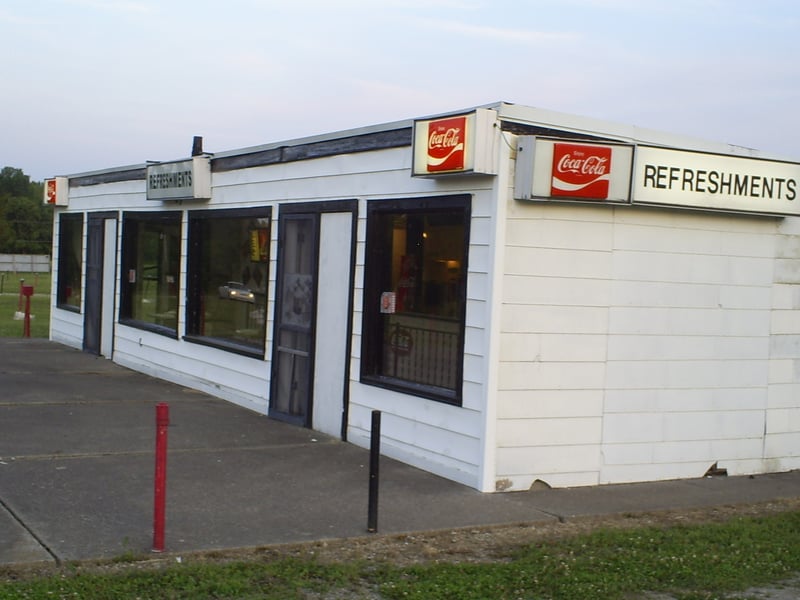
388	302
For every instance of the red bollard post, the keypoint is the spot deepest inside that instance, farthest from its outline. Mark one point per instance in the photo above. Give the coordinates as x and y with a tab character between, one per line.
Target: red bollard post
160	503
27	291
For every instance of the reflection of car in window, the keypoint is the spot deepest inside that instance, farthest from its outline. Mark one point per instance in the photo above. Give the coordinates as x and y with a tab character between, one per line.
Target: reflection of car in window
234	290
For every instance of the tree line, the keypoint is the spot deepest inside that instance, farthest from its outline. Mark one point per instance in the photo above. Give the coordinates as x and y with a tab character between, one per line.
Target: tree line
26	223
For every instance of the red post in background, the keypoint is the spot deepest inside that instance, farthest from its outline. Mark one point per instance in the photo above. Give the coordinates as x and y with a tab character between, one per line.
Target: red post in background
27	291
160	504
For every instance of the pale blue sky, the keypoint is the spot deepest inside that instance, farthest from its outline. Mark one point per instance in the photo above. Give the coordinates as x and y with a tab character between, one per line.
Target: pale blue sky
92	84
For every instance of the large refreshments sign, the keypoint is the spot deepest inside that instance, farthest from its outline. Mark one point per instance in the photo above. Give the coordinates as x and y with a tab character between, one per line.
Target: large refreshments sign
680	178
567	170
180	180
458	144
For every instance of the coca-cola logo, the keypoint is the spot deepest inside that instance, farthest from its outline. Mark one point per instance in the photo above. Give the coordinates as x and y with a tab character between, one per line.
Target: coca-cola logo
51	191
581	171
446	144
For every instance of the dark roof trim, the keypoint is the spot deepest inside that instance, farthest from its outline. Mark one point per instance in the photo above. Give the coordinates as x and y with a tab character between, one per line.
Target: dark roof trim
107	177
525	129
381	140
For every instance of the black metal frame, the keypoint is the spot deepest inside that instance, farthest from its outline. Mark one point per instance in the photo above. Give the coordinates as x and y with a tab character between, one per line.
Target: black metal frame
314	209
374	284
193	283
130	224
60	287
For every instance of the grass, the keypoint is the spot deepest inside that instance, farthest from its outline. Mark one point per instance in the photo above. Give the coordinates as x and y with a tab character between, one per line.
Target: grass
701	562
40	304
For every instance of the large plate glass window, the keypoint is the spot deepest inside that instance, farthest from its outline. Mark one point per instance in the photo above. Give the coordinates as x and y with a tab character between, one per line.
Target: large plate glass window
151	258
228	278
415	295
70	261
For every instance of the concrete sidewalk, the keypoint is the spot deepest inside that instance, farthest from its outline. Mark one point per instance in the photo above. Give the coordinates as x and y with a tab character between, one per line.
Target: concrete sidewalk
76	472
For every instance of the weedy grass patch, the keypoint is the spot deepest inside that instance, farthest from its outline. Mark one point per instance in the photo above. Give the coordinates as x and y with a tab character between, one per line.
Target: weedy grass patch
697	562
690	562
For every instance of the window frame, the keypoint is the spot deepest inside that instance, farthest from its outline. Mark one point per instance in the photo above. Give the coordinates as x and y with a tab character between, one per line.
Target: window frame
64	219
374	278
129	218
194	283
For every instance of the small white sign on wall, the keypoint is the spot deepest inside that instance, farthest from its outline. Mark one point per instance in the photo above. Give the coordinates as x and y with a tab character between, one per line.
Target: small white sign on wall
180	180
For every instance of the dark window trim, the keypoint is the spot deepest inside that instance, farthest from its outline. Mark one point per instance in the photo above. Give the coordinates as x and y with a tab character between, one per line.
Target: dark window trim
371	318
125	294
231	213
193	281
151	327
68	308
319	207
227	345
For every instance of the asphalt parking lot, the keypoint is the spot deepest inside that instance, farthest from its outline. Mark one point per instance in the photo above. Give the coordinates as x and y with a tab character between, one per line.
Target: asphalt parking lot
77	463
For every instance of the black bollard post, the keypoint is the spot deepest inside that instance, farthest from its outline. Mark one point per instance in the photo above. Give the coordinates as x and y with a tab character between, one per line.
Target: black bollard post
374	471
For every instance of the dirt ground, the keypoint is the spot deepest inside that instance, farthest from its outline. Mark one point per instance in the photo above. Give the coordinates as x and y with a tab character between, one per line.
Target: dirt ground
469	545
496	544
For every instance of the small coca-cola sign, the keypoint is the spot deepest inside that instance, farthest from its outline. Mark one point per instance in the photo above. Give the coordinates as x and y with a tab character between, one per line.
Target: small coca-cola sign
50	191
581	171
446	144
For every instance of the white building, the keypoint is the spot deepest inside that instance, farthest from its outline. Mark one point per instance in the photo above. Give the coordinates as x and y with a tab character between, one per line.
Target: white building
526	296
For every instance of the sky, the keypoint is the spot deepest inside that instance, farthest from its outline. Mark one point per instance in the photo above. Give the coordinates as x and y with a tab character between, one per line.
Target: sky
95	84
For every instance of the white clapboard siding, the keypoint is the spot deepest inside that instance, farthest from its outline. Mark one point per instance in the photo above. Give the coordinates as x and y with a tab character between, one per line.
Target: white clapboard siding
660	327
782	443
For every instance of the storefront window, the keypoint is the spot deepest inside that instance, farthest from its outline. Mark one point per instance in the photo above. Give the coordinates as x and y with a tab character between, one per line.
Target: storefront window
228	277
70	261
151	256
415	295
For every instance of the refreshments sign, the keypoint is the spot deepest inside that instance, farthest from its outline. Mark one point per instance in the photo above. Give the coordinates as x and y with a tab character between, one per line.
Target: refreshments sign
680	178
180	180
563	170
460	144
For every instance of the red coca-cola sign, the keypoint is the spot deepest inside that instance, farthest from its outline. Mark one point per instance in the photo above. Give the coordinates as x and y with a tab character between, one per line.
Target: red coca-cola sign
50	191
581	171
447	142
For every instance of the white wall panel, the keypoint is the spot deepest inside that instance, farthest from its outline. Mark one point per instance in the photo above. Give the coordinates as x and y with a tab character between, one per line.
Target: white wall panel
549	432
520	318
568	235
556	291
557	263
548	460
662	400
684	324
549	404
551	376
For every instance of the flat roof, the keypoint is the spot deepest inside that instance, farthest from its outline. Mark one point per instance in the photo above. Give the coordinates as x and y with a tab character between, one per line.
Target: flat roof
507	112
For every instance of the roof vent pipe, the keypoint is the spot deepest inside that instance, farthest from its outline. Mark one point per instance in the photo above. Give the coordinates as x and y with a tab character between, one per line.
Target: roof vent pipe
197	145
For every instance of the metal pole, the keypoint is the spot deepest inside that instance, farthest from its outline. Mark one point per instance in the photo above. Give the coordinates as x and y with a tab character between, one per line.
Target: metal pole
27	292
374	471
26	329
160	503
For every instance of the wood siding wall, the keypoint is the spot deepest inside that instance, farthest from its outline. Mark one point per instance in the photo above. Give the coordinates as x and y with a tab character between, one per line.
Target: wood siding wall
644	344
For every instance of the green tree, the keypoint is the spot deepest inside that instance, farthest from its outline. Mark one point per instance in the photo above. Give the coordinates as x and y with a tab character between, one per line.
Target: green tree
26	223
13	182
